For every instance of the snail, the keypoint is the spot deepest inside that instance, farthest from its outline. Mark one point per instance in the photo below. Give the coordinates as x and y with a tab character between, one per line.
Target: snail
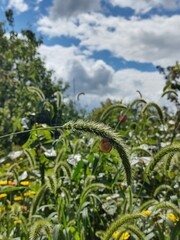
105	145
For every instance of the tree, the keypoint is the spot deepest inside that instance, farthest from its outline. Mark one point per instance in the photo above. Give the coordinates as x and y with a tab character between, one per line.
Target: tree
21	70
172	86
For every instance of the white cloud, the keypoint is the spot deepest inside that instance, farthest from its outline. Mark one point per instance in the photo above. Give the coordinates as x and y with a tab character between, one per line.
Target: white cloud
97	79
19	5
128	81
69	64
153	40
69	8
143	6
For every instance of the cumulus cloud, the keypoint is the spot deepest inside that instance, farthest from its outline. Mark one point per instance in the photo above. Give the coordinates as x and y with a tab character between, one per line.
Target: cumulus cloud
97	79
70	65
147	40
69	8
143	6
19	5
128	81
153	40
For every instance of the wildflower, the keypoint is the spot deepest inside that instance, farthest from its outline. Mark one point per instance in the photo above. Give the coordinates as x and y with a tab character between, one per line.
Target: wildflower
30	193
18	198
146	213
6	182
125	236
173	218
122	118
17	221
3	195
25	183
11	183
116	233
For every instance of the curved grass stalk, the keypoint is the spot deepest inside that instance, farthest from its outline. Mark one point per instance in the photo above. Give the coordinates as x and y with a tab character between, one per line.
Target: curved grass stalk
170	91
104	131
30	156
139	149
167	205
76	146
170	149
157	107
58	99
168	161
109	110
40	228
52	184
137	100
66	193
146	205
37	91
88	190
120	222
89	179
13	168
60	156
161	188
130	199
65	167
37	200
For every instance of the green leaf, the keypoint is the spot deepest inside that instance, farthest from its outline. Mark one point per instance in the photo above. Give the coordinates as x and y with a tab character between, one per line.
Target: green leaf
77	170
56	232
11	189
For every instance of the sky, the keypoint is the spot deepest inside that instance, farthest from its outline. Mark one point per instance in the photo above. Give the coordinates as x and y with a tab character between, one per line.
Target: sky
104	48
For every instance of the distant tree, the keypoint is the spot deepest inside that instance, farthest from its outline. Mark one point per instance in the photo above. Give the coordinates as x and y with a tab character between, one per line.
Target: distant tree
172	86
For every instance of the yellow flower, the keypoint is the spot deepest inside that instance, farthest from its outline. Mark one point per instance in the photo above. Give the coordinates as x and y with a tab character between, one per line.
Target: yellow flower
18	198
25	183
30	193
116	233
124	236
3	195
173	218
17	221
5	182
146	212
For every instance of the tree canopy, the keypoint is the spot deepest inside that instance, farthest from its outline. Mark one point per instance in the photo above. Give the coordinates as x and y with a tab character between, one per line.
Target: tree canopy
28	92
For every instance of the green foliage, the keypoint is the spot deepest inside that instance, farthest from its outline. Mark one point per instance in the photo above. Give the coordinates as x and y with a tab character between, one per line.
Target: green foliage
172	87
29	94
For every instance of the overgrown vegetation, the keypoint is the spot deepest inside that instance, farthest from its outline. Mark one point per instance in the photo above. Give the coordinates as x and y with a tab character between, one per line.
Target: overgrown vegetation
114	175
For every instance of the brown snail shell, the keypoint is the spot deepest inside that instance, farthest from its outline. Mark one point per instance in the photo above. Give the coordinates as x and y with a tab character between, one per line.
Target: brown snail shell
105	145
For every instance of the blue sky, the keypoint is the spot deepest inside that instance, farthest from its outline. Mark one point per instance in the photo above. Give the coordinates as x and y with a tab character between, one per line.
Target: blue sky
108	48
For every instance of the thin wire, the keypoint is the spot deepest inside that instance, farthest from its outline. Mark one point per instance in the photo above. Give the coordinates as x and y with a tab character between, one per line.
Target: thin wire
26	131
